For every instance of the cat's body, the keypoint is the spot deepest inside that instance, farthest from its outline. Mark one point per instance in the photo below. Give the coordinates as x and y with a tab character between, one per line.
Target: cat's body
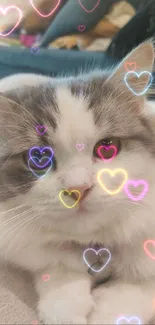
38	233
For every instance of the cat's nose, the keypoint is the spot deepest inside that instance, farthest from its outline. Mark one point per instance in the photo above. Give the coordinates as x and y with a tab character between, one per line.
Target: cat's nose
82	189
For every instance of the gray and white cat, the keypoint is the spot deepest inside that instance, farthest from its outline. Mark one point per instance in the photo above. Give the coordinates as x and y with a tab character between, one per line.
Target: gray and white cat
39	233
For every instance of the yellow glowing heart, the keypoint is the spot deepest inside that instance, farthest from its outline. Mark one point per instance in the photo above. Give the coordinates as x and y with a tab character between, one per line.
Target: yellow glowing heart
69	192
112	173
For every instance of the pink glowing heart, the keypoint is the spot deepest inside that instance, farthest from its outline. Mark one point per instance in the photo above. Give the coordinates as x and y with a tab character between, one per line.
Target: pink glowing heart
146	248
51	12
41	129
96	5
79	146
130	320
81	28
5	11
46	277
107	148
135	184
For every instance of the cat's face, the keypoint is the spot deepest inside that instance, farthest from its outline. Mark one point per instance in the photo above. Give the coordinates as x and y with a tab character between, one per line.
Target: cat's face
94	110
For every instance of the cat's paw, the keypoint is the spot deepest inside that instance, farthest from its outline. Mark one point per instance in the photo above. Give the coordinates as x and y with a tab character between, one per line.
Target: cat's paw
102	312
49	316
65	42
71	308
73	320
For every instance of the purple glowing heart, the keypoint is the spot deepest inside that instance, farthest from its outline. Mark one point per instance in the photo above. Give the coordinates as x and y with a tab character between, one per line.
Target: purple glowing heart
81	28
128	320
136	184
41	129
34	50
41	151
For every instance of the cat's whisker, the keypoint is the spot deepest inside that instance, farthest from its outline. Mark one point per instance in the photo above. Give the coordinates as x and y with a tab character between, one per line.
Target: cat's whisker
12	209
21	118
11	126
14	152
24	109
6	143
20	220
14	218
10	235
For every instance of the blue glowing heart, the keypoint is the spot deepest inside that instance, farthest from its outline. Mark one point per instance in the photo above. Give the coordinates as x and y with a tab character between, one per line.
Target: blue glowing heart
138	75
41	151
43	171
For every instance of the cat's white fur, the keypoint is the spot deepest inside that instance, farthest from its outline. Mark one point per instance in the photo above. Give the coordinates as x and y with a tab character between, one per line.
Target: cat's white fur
123	227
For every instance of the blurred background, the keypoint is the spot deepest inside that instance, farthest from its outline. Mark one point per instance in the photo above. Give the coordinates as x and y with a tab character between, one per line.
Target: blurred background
56	37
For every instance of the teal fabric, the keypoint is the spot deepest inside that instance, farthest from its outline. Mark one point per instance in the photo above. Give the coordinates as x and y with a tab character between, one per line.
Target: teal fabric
72	15
49	62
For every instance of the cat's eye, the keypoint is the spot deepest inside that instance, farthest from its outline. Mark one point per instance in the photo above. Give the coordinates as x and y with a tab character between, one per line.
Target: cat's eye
107	148
39	160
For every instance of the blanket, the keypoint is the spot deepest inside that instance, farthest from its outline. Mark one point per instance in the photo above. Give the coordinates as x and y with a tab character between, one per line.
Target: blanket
17	297
105	21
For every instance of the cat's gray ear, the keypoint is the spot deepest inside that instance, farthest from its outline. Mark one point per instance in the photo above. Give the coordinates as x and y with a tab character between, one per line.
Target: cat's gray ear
141	59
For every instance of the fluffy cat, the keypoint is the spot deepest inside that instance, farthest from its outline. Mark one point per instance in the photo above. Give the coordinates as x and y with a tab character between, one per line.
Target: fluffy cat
39	233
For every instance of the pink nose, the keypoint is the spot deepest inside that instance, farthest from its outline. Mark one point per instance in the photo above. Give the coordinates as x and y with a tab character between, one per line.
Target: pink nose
82	189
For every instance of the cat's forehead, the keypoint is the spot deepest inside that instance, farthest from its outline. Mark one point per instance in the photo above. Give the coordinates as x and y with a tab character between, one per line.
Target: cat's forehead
78	107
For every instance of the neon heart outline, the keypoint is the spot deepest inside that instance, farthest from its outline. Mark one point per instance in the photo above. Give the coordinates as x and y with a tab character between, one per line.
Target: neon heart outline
125	64
42	126
42	167
98	2
80	144
34	47
83	28
107	148
45	16
128	319
4	11
96	252
46	277
49	158
141	195
69	192
138	76
149	241
116	171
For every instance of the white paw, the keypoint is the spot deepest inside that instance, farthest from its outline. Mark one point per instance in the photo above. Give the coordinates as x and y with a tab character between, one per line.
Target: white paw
69	308
73	320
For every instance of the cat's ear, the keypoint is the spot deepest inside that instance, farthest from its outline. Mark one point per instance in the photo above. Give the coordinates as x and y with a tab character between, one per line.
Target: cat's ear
141	59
